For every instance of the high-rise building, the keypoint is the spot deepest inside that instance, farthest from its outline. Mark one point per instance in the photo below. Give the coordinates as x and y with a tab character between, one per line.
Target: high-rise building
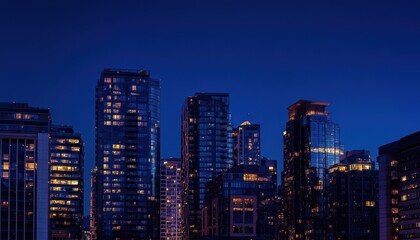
240	204
24	159
409	187
172	226
66	183
311	146
127	154
352	193
399	171
206	148
388	191
247	145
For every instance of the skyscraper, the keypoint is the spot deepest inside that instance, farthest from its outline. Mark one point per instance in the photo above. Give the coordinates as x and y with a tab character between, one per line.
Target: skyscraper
247	146
409	187
388	191
206	148
66	183
127	154
172	226
24	159
399	192
311	146
352	192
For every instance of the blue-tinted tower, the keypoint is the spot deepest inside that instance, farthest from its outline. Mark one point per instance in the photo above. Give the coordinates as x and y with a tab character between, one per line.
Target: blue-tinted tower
247	146
127	154
311	146
207	148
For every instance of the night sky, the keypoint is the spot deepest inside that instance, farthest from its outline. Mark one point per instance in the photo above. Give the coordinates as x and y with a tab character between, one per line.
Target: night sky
363	57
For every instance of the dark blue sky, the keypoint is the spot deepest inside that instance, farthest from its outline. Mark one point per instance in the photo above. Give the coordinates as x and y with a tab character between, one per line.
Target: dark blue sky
364	57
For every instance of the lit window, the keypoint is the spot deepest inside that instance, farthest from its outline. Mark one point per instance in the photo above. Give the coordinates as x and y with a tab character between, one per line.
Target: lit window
254	177
75	149
394	163
370	203
30	166
74	141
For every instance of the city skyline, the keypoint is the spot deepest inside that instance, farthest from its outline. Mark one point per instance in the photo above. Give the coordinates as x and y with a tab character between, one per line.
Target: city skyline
364	62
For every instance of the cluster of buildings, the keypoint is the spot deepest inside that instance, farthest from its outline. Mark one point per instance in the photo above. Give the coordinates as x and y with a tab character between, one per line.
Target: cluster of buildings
220	187
41	184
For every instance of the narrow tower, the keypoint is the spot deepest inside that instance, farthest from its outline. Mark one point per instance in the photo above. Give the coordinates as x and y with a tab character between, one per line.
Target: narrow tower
127	154
311	146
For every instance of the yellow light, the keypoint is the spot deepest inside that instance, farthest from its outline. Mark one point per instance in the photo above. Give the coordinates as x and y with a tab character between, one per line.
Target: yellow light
30	166
359	167
250	177
74	141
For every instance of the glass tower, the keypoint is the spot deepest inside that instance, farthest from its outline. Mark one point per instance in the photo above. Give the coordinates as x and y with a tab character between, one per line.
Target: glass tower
172	225
24	172
66	183
127	154
311	146
248	144
207	149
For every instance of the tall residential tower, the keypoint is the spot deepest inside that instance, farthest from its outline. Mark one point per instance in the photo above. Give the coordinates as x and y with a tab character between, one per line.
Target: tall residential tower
66	183
247	145
24	172
207	149
311	146
172	207
127	154
399	192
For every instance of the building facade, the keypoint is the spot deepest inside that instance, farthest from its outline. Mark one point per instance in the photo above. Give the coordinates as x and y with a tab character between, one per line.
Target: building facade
241	204
127	154
400	190
247	146
93	213
172	226
388	191
311	146
24	159
409	187
352	192
66	183
206	148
